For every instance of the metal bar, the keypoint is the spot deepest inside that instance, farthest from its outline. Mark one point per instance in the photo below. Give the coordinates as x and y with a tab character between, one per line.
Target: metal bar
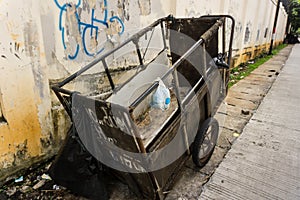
185	100
64	103
224	38
138	52
148	45
231	35
97	60
189	95
224	71
231	39
274	27
175	75
186	139
210	32
108	74
144	95
163	34
182	58
61	90
204	60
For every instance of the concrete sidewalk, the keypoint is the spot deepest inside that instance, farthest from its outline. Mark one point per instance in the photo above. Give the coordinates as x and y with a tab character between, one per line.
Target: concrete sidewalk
264	163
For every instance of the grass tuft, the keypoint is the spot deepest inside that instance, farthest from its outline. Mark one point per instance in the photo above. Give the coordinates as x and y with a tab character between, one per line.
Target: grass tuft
240	72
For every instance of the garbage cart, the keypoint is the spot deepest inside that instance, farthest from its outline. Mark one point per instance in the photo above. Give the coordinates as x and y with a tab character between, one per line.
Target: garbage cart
119	128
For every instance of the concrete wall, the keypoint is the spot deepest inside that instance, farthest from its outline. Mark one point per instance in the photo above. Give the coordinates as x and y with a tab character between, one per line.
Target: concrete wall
254	22
40	44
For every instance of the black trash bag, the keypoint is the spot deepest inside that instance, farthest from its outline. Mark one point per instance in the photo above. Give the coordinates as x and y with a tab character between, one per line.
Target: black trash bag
77	170
292	39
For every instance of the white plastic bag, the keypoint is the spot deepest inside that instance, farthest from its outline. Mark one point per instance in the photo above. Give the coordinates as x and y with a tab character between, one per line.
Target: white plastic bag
161	98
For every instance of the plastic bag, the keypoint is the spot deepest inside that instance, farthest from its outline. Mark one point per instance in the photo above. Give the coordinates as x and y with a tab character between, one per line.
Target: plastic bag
161	98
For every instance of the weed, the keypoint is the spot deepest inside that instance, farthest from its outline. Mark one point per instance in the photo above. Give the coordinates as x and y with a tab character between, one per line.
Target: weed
243	70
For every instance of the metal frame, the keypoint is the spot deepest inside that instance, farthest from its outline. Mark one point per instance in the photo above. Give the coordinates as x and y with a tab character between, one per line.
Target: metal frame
64	94
57	88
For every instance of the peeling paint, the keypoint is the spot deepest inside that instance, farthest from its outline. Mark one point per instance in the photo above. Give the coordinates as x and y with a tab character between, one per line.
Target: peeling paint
123	9
47	25
31	40
145	7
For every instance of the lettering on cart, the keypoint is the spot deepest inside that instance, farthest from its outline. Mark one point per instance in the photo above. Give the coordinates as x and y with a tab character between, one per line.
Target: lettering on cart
127	161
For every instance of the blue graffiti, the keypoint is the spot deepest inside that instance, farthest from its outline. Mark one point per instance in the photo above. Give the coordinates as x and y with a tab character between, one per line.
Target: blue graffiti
84	28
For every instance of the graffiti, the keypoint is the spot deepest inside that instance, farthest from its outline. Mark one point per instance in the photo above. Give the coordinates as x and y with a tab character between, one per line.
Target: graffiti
86	31
127	162
145	7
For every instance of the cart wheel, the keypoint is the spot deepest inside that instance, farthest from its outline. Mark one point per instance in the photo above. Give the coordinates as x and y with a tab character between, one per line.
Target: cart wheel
205	142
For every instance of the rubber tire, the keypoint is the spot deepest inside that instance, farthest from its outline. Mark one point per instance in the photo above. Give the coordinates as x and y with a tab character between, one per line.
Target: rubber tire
201	162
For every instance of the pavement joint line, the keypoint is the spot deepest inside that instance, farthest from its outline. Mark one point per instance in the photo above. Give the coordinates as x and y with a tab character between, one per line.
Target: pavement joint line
241	117
240	98
229	129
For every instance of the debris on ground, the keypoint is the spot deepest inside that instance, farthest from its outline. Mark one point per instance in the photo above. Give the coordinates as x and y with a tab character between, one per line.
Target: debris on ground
36	184
245	112
18	180
236	135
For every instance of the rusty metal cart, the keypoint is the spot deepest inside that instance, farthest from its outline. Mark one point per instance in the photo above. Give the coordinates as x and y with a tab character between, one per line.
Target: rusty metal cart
112	117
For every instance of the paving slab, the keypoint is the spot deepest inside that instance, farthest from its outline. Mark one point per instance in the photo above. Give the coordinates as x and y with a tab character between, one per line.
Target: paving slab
236	112
241	103
245	96
247	88
226	138
232	123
